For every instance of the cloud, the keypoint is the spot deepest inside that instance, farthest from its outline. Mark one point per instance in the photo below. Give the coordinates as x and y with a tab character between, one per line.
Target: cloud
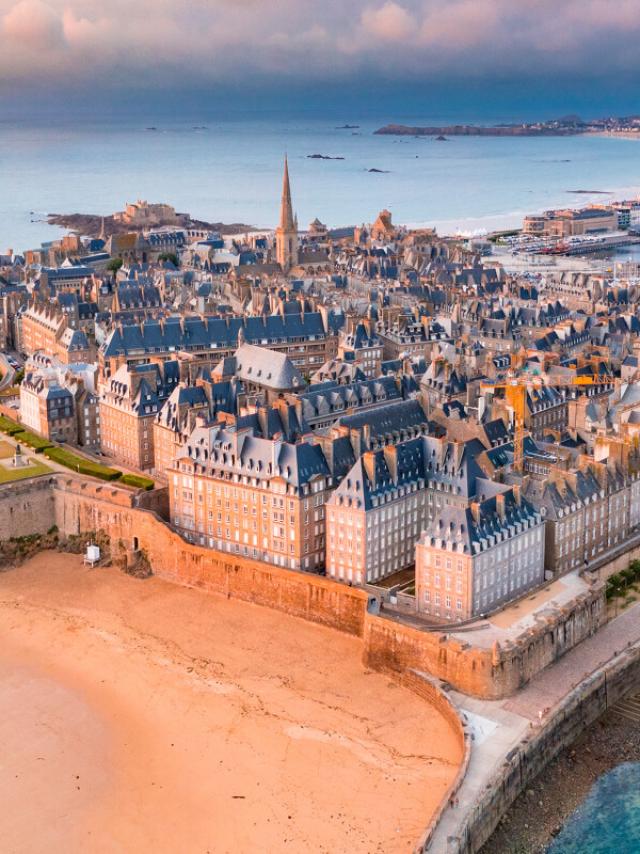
390	22
31	25
203	42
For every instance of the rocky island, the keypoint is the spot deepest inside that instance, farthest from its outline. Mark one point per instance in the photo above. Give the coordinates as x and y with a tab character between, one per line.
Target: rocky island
93	225
566	126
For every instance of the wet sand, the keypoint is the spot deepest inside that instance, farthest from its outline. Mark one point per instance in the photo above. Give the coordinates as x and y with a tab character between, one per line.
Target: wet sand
140	716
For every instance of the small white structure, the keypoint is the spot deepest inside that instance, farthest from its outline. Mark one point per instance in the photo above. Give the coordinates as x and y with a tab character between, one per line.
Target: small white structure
93	555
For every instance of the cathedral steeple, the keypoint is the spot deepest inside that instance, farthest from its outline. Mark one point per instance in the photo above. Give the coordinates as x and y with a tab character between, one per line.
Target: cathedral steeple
287	231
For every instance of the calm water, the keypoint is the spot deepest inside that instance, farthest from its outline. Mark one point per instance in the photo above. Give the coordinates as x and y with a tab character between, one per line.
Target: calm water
608	822
231	172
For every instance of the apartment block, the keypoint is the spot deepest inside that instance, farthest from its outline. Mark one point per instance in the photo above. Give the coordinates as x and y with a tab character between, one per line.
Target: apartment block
473	560
379	510
246	495
129	404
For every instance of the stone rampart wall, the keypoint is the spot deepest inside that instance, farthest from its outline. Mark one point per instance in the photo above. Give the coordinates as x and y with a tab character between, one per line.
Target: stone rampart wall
26	507
584	705
76	505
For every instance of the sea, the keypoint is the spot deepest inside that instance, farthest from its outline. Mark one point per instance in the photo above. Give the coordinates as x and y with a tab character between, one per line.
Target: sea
229	169
608	821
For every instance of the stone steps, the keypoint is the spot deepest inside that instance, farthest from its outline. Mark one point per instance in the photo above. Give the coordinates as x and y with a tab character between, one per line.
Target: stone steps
628	708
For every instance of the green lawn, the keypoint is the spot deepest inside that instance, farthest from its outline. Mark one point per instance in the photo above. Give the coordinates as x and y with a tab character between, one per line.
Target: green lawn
8	473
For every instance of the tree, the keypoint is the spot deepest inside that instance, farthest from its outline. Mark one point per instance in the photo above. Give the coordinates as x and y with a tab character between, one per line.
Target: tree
114	265
169	256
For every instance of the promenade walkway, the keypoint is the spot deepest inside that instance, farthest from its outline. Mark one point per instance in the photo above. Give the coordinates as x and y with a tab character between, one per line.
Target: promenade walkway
499	725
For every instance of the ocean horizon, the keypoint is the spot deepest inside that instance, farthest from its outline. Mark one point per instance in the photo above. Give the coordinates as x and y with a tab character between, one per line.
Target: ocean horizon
228	169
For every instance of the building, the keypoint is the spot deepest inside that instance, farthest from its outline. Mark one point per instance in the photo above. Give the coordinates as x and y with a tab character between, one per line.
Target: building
266	375
287	249
379	510
58	401
142	214
260	498
571	223
322	404
177	417
44	327
363	347
472	560
589	509
48	408
307	337
129	404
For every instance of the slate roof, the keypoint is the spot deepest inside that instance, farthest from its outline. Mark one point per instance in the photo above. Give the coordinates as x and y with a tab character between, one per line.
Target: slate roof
209	333
422	462
460	527
227	450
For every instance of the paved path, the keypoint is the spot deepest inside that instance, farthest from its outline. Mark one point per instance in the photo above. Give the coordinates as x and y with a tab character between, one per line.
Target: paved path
499	725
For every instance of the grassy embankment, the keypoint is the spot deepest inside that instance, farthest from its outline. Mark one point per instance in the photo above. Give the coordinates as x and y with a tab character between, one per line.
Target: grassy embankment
65	457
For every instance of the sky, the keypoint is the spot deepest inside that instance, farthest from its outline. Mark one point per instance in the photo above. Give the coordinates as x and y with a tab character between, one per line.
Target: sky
496	57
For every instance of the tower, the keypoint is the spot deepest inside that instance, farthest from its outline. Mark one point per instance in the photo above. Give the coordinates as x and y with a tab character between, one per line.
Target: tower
287	230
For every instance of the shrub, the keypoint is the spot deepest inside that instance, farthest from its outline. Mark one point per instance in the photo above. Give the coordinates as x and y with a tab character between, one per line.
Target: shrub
39	444
80	465
628	575
8	426
137	481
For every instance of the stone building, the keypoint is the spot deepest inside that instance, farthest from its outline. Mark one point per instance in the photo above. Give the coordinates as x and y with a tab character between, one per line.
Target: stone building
379	510
363	347
323	404
44	327
177	417
589	510
266	375
305	336
129	404
142	214
48	408
472	560
261	498
58	401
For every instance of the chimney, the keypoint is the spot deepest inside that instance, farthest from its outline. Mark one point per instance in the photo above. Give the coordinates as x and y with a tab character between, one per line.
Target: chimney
500	506
391	459
366	436
356	442
327	450
475	511
369	463
517	494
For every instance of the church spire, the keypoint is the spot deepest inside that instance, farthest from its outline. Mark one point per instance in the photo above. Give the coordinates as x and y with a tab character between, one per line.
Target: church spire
287	230
286	208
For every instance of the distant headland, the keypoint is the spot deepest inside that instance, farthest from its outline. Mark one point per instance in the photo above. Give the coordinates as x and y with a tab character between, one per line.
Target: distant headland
568	126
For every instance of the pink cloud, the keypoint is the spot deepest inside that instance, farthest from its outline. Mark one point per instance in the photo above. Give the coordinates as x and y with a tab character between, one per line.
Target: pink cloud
390	22
32	25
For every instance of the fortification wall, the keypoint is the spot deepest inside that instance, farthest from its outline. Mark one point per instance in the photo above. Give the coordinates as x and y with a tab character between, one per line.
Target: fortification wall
26	508
83	506
486	673
584	705
76	505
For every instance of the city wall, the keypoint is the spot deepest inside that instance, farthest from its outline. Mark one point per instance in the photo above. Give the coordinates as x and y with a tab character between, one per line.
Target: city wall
580	708
26	508
77	506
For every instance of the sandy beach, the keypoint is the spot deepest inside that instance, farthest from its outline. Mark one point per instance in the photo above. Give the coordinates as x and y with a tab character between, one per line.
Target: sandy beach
136	716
